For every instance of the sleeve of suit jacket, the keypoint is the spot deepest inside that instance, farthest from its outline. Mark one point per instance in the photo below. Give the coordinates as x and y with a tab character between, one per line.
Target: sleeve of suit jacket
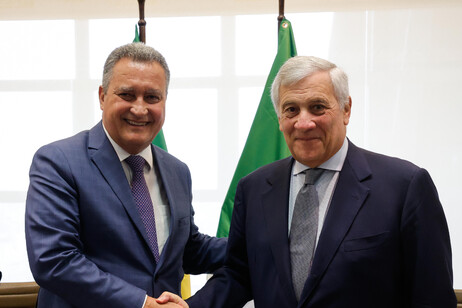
53	236
426	246
230	285
203	253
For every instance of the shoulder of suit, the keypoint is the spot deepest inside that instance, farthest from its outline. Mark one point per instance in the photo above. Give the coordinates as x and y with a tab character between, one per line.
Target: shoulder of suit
69	143
279	167
385	162
161	154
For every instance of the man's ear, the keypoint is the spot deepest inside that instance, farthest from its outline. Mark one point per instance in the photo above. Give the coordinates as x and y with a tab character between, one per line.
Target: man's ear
101	97
347	112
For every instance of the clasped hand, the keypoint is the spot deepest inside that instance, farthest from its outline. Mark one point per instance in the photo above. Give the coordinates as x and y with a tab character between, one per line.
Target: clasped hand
167	300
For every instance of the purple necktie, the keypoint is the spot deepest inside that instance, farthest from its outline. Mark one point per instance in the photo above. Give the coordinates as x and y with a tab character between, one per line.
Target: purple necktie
142	198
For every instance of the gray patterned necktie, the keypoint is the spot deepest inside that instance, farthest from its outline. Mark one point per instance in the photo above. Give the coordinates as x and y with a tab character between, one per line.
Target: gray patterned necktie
143	201
304	229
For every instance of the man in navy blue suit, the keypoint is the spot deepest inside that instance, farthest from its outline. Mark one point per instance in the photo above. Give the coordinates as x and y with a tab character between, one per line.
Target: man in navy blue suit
87	242
380	237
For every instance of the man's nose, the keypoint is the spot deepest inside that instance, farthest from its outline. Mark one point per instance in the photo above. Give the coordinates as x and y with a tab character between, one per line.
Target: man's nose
305	121
139	106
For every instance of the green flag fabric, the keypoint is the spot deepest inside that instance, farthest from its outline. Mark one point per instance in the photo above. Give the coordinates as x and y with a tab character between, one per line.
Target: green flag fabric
160	141
265	142
137	35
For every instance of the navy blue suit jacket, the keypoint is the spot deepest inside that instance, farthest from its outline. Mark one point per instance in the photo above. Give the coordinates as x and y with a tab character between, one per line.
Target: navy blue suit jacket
384	242
86	242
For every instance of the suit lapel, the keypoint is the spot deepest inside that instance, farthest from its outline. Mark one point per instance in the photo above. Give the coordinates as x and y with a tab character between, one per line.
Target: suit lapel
169	176
106	160
347	200
275	212
166	184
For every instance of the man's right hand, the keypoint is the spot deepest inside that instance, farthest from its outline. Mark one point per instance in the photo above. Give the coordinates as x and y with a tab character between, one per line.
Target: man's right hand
168	301
168	297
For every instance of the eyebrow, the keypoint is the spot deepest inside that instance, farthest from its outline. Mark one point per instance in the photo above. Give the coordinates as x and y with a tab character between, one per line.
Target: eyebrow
154	91
131	89
288	102
124	89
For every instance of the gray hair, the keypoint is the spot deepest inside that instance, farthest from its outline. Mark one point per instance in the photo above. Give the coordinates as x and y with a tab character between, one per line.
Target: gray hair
297	68
137	52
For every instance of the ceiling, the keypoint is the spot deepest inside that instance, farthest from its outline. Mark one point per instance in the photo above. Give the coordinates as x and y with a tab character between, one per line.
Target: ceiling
85	9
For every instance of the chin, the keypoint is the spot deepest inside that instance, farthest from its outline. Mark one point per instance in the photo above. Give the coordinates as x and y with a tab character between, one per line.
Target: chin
138	144
308	160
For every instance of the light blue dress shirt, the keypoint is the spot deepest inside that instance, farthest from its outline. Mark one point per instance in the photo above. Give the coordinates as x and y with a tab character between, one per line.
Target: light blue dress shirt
325	185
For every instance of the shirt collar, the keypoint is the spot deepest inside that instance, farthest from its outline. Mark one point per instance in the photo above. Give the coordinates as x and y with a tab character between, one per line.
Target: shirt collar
335	163
122	154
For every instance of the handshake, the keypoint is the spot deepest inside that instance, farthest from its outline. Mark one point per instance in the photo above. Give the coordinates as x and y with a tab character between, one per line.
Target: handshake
166	300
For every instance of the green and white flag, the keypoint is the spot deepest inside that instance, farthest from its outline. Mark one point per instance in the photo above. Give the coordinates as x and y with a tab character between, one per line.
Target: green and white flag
265	143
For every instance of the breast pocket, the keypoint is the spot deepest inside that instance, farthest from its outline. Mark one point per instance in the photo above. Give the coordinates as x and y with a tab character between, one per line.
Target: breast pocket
367	242
180	232
184	222
183	227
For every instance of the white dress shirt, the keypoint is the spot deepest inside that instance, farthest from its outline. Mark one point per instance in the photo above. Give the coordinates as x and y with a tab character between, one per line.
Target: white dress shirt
158	197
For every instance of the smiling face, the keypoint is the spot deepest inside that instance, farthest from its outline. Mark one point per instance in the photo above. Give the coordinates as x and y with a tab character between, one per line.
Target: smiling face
311	120
134	104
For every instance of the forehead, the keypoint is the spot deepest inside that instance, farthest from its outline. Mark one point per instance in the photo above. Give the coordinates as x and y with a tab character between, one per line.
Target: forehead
129	66
126	70
317	84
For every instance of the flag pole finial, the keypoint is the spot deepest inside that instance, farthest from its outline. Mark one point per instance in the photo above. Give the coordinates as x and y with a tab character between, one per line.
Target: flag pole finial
142	22
281	13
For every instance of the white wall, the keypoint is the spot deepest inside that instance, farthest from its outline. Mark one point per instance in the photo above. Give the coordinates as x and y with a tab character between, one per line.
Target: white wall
404	66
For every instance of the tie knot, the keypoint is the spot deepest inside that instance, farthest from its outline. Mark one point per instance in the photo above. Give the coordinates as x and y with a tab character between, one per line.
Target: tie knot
312	175
136	162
